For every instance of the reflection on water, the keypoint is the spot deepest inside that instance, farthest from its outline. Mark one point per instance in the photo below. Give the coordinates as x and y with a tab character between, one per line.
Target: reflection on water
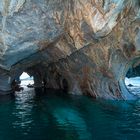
23	107
52	115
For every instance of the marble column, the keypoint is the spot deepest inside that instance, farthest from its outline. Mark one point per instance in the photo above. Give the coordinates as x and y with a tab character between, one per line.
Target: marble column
5	84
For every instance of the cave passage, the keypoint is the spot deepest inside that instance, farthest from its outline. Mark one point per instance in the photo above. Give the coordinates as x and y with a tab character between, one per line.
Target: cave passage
132	80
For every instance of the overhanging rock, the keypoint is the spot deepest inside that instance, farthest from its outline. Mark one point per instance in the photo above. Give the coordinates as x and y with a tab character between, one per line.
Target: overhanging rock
89	45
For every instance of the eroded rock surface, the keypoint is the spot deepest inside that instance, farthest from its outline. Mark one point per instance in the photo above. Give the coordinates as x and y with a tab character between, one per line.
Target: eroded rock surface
86	46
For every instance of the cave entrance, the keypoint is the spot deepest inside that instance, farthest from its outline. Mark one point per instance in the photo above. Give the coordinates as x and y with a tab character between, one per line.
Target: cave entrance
21	82
26	80
132	80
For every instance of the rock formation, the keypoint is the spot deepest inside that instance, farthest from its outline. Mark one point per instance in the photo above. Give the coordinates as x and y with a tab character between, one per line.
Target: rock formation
86	46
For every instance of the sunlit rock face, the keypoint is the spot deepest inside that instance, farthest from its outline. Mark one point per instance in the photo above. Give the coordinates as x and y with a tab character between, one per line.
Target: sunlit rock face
84	46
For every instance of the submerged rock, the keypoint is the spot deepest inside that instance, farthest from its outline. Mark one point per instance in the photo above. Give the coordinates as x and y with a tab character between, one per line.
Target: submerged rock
84	46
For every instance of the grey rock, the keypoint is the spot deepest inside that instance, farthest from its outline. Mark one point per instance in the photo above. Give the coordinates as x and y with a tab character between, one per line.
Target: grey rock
88	44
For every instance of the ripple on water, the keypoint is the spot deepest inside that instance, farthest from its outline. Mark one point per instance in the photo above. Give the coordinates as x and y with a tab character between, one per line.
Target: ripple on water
55	116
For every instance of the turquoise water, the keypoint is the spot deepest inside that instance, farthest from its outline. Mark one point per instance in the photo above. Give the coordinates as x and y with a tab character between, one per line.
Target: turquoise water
53	115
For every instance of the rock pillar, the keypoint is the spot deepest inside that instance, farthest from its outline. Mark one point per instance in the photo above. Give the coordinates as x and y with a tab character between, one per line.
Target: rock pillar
37	81
5	84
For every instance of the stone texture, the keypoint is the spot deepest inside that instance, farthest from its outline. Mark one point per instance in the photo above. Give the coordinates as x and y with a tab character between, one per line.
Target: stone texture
87	45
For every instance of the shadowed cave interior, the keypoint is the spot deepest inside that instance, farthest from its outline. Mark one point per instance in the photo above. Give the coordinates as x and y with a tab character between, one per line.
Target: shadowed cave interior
37	77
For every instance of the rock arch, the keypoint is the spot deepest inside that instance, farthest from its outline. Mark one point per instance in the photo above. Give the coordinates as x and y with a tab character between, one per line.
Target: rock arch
89	43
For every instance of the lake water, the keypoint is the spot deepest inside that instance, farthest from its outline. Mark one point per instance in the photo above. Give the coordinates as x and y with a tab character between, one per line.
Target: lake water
53	115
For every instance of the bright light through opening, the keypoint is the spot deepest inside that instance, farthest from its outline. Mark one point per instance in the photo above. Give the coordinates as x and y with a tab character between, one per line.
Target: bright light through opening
24	76
133	85
26	79
134	81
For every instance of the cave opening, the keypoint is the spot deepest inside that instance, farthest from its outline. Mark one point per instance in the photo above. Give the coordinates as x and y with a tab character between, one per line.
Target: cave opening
26	79
132	80
22	81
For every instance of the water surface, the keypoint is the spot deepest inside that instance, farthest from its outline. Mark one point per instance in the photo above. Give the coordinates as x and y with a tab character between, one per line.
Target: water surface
53	115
